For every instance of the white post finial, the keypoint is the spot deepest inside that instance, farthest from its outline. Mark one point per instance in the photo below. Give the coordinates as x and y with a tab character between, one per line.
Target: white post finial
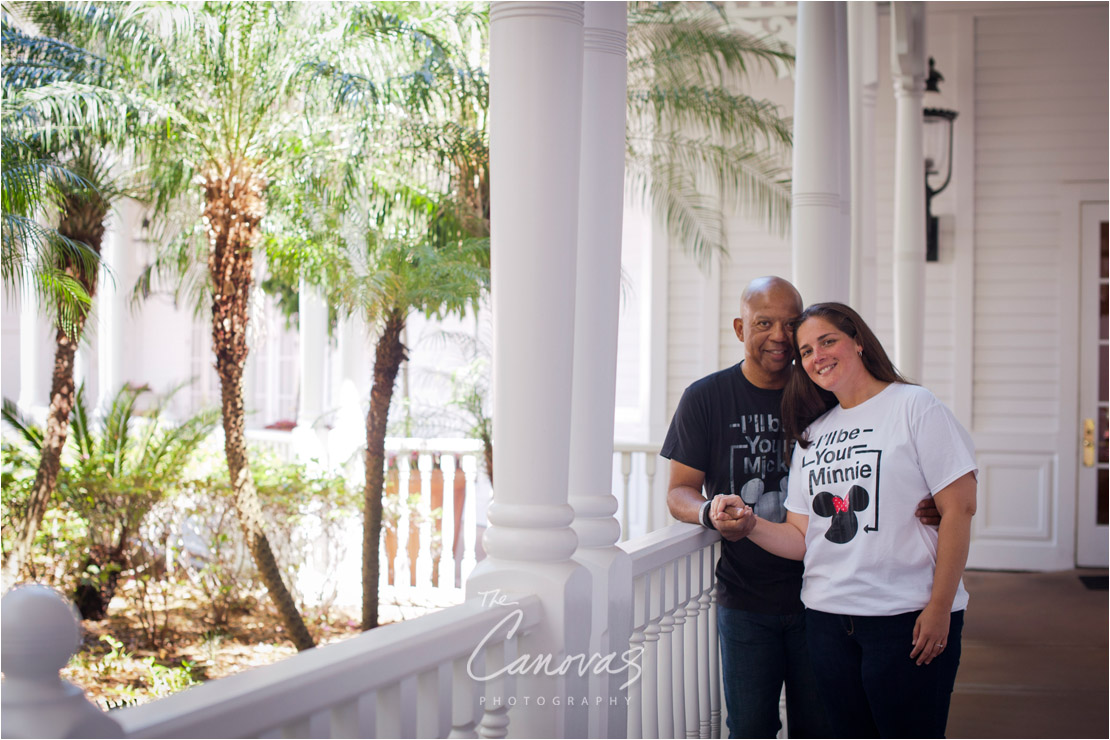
39	631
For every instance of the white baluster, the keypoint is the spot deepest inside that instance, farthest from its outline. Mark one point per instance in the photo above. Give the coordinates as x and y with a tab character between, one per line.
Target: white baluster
707	648
650	460
714	669
466	706
665	600
343	719
713	554
433	697
39	633
678	645
424	507
692	657
626	500
651	657
495	711
637	650
470	524
402	578
447	526
388	712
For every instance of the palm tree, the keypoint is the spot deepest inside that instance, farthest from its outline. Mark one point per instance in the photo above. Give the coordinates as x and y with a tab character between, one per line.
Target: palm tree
239	116
78	122
418	175
36	74
694	146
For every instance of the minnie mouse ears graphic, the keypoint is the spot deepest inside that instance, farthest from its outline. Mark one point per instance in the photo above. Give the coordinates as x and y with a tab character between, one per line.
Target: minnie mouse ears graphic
844	524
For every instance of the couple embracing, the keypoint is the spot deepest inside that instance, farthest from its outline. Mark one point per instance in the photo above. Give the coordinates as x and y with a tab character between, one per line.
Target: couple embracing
844	495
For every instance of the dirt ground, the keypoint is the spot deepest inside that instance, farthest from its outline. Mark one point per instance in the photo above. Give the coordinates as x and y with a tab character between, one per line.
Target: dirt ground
119	665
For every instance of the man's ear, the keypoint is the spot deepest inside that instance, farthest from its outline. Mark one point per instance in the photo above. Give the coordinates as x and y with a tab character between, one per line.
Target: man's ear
738	326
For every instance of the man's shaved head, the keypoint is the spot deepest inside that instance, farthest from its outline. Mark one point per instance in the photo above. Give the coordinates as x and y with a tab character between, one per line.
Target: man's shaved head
762	286
768	309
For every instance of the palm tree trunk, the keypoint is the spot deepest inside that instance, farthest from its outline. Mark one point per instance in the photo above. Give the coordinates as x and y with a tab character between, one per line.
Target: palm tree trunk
388	356
233	207
82	220
62	393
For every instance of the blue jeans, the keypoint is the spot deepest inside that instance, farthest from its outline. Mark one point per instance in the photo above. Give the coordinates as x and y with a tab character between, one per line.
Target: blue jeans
758	653
871	686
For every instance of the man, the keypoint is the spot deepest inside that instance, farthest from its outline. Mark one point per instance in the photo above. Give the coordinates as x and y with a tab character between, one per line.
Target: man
726	438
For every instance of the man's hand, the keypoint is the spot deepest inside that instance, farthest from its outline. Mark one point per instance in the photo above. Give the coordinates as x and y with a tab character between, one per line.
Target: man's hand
927	512
731	516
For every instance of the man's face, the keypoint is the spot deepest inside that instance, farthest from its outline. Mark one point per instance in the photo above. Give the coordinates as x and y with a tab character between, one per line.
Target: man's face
766	328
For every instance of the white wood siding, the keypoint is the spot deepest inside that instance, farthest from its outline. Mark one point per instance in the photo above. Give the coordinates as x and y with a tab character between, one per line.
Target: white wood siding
1041	120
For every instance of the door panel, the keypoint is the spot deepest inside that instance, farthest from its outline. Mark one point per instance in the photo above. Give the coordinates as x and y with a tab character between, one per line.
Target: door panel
1093	502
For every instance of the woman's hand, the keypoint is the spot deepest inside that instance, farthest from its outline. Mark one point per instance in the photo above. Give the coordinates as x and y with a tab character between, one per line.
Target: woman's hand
930	633
731	516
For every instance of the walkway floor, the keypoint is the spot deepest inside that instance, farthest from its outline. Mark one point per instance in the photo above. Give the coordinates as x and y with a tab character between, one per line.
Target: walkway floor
1035	658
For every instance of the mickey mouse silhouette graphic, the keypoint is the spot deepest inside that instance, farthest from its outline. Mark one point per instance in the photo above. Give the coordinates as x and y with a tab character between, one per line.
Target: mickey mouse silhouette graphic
844	524
767	504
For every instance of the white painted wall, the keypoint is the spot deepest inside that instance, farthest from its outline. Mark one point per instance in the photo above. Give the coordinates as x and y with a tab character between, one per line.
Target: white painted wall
1041	124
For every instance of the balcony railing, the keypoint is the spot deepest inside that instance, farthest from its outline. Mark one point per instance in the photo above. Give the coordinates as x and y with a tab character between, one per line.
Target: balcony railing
449	496
412	679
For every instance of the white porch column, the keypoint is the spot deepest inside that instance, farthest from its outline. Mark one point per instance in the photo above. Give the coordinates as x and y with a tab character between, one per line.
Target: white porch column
348	432
313	335
907	60
821	242
535	134
111	302
31	333
593	404
863	88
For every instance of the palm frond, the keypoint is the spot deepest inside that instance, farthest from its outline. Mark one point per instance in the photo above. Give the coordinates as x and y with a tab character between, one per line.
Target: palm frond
753	182
736	118
31	434
689	216
81	433
683	44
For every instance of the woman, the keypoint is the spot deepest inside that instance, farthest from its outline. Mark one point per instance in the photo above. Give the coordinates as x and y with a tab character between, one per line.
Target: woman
883	593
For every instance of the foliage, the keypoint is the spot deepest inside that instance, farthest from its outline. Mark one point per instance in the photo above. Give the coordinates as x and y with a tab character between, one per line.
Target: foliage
40	76
301	503
694	144
112	477
167	680
59	547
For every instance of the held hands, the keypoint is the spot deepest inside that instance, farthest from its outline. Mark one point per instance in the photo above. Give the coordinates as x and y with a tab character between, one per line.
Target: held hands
930	634
732	517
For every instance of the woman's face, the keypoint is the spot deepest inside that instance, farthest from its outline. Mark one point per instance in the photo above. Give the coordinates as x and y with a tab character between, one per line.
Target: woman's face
829	356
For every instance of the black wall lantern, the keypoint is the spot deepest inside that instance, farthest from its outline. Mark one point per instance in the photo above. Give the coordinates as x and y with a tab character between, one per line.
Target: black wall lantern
938	157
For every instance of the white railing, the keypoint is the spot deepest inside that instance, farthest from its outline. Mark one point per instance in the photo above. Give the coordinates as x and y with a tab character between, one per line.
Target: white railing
418	678
639	483
409	679
442	475
430	535
412	553
674	622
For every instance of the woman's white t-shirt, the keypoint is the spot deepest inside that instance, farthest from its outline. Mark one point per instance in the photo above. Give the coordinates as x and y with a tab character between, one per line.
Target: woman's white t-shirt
859	482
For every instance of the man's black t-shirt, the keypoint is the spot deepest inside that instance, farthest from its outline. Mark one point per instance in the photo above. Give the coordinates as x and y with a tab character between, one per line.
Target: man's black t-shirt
731	430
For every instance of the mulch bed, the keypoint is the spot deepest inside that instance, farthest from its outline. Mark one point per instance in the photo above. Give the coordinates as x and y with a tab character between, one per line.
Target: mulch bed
120	674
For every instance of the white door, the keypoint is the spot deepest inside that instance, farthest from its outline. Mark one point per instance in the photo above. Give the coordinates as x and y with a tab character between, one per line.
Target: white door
1092	515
